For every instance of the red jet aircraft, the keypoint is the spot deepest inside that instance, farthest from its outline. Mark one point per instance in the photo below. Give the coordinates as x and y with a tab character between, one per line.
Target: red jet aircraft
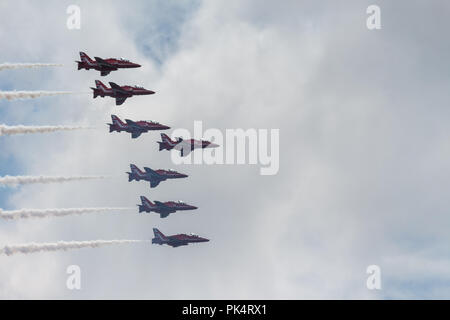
105	66
153	176
121	93
164	209
177	239
135	128
184	146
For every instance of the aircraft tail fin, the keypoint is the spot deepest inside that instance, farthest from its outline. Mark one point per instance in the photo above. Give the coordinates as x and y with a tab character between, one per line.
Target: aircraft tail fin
135	169
159	235
145	204
165	138
116	124
99	88
145	201
85	58
116	121
134	174
95	92
100	85
165	143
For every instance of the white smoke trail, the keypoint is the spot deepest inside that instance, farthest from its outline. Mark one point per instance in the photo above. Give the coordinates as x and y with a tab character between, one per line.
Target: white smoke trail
4	66
12	95
42	213
61	245
9	130
16	180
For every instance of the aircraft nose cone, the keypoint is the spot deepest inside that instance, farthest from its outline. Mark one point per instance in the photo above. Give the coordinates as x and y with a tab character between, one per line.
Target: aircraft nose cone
184	175
150	92
193	207
136	65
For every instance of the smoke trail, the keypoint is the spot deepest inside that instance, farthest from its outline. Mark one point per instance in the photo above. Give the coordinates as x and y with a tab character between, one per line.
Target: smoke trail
42	213
4	66
61	245
12	95
15	180
9	130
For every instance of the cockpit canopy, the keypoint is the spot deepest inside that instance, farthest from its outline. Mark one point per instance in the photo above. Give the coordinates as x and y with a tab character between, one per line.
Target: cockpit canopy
138	87
124	60
193	235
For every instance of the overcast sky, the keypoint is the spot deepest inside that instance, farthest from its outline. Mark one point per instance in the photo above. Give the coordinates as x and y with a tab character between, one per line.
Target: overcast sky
364	148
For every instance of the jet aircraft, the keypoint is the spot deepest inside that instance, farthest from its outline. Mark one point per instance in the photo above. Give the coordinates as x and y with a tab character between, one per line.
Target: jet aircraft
120	93
105	66
176	240
136	128
163	208
153	176
184	146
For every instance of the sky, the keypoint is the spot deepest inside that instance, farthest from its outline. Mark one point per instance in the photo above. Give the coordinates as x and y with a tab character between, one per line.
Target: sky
364	169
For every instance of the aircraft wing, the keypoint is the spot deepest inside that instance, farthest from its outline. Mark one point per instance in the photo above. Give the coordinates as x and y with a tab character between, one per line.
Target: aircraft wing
162	208
164	214
177	244
154	183
150	171
120	100
104	73
131	123
118	89
134	125
155	180
104	64
161	205
135	134
185	150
